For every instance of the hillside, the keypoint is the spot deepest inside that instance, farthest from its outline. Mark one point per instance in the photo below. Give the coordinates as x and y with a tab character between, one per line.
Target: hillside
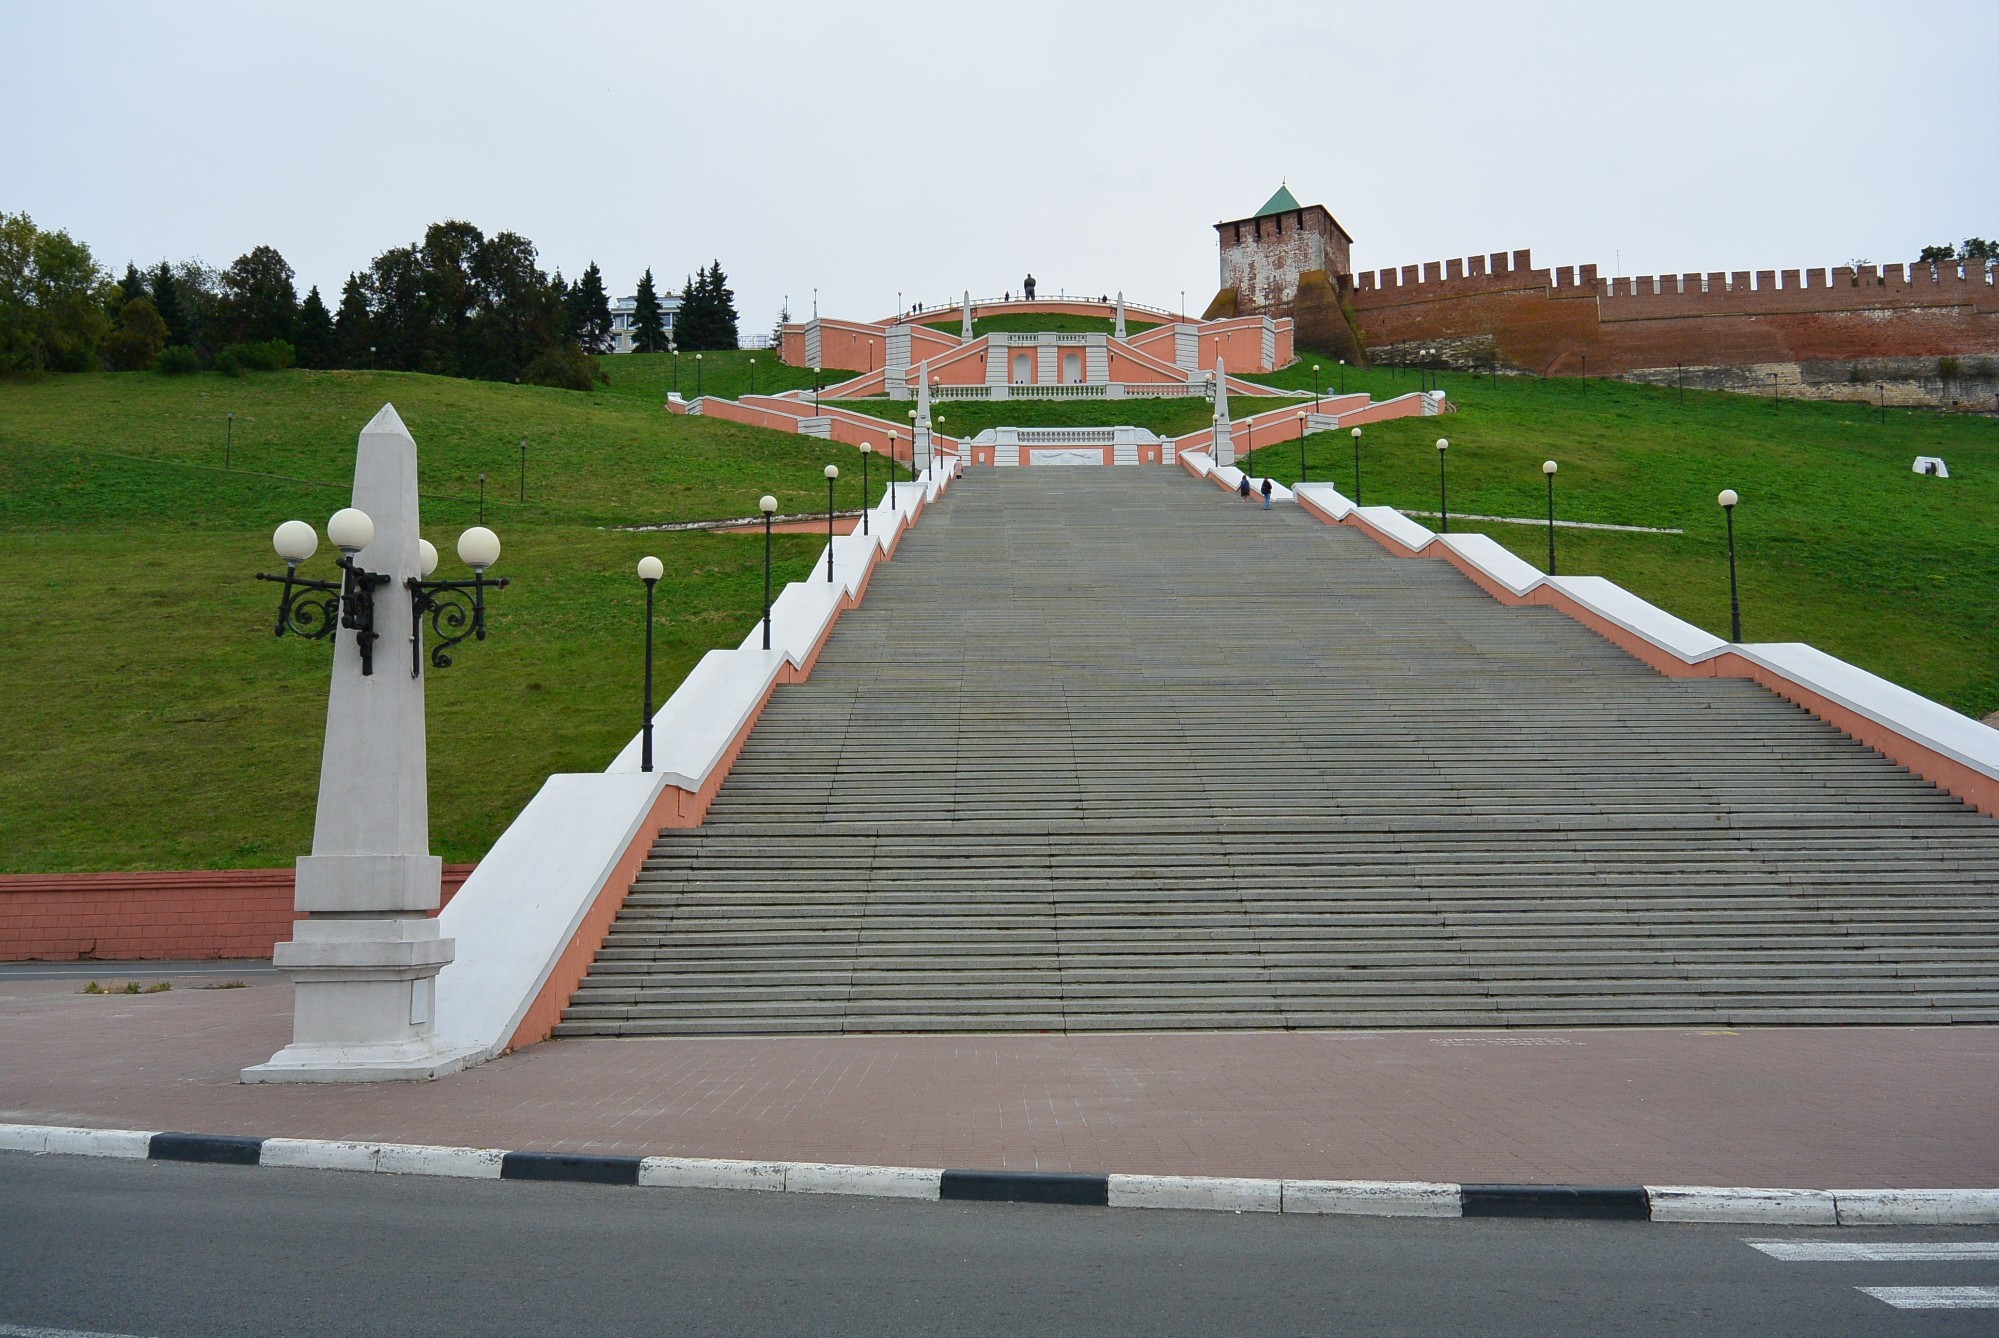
155	722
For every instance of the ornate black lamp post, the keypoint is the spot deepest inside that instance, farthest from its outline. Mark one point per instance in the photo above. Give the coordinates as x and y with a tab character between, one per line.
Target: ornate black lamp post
1356	466
1443	493
674	349
815	391
753	376
350	602
697	376
891	467
650	570
832	473
867	450
1315	387
1728	499
1301	444
1548	468
456	609
768	505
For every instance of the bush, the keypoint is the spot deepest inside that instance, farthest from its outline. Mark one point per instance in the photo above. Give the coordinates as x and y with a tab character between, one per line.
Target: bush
178	361
1949	368
272	355
565	367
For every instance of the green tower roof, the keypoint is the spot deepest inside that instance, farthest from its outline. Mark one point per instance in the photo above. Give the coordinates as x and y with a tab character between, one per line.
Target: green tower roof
1281	203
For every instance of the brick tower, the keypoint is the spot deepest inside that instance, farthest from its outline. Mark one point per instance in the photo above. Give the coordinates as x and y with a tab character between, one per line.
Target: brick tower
1289	259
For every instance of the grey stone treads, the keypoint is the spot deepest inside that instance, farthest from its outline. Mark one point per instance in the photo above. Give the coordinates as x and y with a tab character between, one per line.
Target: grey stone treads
1110	750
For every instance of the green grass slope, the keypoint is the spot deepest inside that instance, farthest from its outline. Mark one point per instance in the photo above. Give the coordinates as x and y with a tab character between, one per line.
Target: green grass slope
1838	542
154	721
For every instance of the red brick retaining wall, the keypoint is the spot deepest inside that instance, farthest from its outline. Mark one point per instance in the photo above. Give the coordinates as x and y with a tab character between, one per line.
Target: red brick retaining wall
153	916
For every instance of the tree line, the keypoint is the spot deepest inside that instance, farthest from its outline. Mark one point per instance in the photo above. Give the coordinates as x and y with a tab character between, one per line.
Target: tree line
456	303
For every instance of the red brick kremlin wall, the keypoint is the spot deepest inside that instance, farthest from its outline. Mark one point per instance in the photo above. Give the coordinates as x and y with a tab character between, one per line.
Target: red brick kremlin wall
153	916
1549	321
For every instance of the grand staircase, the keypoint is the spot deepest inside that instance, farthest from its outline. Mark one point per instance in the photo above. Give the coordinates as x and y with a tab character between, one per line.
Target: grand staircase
1110	750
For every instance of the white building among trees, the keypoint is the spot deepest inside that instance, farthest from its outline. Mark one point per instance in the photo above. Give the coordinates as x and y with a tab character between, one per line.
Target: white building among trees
623	311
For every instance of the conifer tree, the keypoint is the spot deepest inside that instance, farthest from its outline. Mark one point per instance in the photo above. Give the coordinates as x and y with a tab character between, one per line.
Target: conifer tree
132	286
590	311
648	323
165	292
353	327
721	308
315	331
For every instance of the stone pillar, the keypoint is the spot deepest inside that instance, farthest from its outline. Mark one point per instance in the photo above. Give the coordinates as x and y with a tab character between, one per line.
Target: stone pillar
365	960
921	437
1119	332
965	326
1224	451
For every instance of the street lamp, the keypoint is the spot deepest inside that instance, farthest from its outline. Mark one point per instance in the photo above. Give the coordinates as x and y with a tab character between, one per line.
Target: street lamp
1548	468
815	392
1315	387
753	376
1356	466
832	473
482	497
350	601
1301	443
768	505
891	467
228	438
697	376
650	570
867	449
1443	493
674	349
1728	499
524	469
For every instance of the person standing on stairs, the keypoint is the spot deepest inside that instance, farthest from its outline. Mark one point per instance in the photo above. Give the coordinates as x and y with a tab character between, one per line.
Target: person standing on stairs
1266	494
1243	488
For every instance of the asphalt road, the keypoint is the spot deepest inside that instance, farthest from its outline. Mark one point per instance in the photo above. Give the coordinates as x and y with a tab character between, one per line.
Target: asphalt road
180	1251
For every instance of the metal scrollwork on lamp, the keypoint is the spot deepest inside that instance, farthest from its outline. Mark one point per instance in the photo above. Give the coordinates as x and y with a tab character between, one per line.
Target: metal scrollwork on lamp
457	609
314	608
349	602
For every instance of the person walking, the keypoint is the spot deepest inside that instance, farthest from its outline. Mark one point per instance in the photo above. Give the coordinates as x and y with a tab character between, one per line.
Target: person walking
1266	494
1243	488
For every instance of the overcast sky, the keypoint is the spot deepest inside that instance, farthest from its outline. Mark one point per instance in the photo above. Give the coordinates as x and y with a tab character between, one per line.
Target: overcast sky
871	148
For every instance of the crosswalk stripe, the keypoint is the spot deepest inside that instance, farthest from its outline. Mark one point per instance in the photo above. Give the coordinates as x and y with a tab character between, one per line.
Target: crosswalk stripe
1878	1252
1936	1298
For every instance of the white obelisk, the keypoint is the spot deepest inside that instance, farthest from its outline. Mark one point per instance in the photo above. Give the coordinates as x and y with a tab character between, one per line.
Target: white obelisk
1224	431
965	326
1119	332
920	447
365	960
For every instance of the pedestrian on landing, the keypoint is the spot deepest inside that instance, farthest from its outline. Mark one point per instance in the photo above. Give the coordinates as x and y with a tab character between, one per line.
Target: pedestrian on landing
1266	494
1244	489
